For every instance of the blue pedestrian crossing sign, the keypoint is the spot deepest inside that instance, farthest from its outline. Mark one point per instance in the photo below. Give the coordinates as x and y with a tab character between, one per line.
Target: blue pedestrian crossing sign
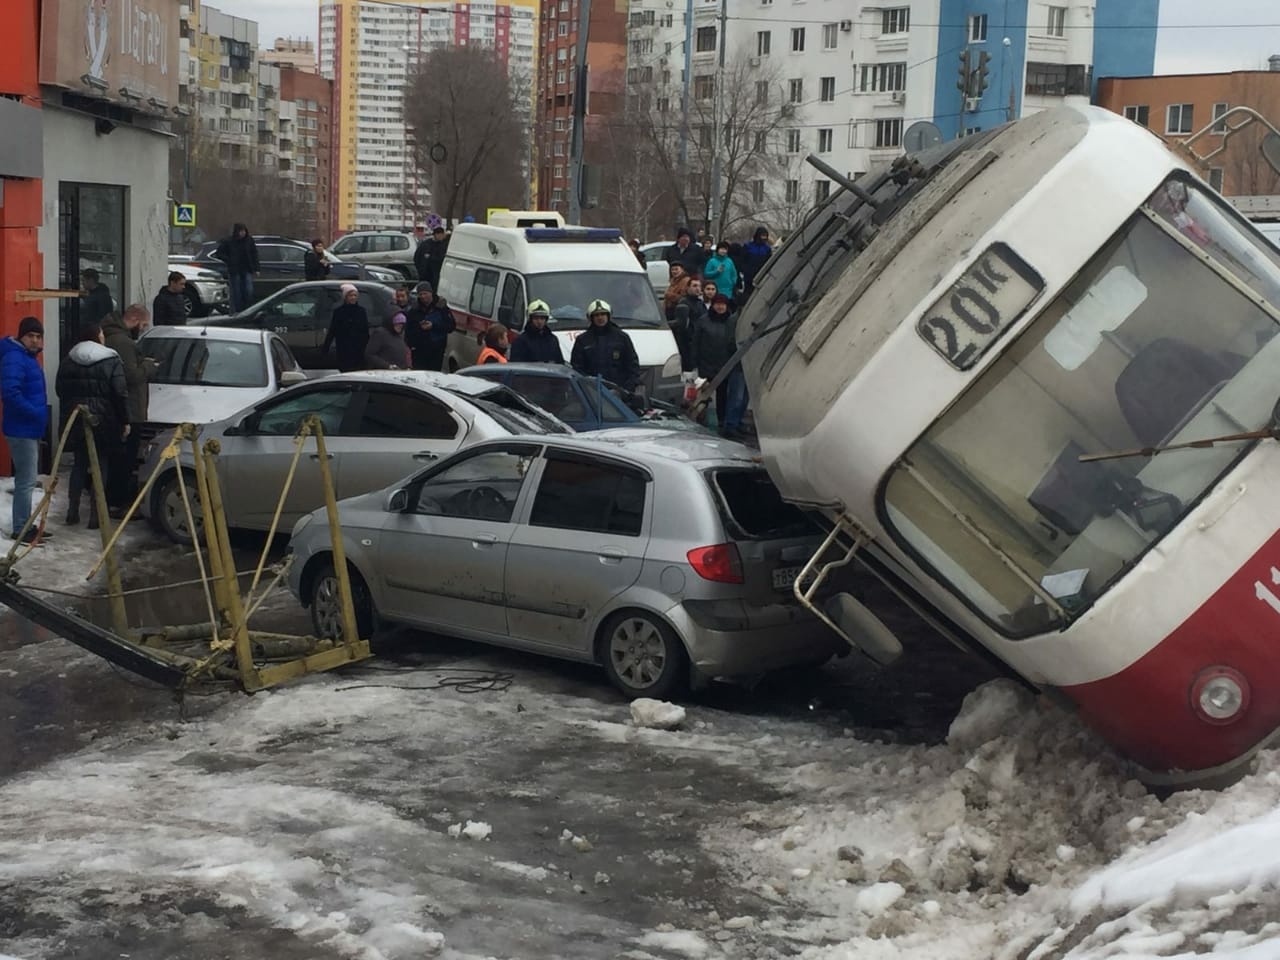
184	214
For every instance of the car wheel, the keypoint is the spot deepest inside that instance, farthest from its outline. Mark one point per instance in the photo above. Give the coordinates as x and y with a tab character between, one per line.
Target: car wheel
643	656
167	512
190	304
326	604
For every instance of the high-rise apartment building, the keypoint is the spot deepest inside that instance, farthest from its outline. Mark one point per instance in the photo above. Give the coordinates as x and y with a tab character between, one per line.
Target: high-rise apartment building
226	106
311	96
848	82
369	51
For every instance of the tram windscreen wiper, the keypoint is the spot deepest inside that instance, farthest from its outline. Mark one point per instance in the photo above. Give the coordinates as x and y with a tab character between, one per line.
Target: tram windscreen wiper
1272	430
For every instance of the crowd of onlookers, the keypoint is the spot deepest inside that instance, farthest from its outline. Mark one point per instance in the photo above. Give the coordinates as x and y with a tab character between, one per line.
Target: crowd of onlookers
104	380
710	282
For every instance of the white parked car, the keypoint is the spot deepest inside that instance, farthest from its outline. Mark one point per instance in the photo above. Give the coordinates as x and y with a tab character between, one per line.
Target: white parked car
206	292
657	268
207	373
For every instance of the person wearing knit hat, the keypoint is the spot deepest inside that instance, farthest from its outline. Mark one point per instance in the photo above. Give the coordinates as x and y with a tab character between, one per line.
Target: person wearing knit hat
686	253
427	332
387	349
25	418
712	347
349	330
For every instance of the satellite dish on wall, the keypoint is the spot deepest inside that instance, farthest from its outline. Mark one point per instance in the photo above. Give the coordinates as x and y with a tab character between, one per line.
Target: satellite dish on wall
920	136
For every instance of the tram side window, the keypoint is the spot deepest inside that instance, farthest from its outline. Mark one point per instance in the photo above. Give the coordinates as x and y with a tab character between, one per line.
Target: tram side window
1148	345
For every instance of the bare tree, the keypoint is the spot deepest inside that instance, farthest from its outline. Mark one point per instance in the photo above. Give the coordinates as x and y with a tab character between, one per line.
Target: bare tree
229	186
788	200
635	190
469	120
742	121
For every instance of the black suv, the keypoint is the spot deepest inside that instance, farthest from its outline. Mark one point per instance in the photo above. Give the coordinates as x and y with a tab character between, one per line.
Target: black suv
300	313
280	264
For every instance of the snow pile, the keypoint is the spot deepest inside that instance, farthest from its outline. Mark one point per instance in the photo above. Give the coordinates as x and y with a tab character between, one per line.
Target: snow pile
656	714
977	848
474	830
63	561
581	844
989	712
522	869
679	941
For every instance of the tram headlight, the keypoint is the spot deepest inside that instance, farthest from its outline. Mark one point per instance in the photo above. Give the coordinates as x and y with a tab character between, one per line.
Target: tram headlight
1220	694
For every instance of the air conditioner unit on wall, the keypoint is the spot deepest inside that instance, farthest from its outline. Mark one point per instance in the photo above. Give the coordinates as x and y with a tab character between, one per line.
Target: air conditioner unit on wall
846	26
898	96
753	61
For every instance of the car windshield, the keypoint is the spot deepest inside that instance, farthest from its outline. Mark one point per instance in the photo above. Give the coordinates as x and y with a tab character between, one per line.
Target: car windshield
1160	339
206	361
568	294
517	415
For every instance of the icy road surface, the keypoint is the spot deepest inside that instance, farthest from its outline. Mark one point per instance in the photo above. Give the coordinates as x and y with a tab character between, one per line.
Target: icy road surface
378	815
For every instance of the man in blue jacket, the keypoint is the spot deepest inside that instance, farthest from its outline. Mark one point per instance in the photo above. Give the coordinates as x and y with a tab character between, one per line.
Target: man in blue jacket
25	414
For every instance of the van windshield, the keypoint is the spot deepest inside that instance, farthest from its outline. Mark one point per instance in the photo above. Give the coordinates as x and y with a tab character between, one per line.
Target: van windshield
629	294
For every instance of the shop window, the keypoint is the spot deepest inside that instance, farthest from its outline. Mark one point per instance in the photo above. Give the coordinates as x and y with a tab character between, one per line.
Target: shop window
91	236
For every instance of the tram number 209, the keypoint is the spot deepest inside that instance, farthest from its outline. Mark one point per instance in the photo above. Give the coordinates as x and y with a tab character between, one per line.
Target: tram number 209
994	292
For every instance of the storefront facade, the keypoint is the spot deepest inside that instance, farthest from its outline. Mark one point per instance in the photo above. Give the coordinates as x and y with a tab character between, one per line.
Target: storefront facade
109	79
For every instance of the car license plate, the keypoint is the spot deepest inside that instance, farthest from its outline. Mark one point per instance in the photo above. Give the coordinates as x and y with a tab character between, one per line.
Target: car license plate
784	577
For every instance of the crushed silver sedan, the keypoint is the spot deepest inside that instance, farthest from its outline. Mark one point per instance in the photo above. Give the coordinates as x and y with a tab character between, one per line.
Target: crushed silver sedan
666	557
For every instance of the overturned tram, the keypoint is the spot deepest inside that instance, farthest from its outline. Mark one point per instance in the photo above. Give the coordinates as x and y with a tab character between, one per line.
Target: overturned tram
1027	379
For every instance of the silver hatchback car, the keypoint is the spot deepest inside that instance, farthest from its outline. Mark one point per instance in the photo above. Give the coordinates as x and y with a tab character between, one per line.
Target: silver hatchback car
666	557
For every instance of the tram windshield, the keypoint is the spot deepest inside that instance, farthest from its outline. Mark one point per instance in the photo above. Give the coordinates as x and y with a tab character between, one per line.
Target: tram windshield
1160	339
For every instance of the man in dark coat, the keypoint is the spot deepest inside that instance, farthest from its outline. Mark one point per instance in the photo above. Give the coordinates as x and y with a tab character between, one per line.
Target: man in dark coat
536	343
429	256
169	308
605	350
121	333
92	377
25	414
427	332
754	256
713	345
240	254
97	301
315	265
686	253
686	314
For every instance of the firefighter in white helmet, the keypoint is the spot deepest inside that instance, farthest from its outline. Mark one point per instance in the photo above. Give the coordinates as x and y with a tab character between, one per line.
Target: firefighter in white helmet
536	343
605	350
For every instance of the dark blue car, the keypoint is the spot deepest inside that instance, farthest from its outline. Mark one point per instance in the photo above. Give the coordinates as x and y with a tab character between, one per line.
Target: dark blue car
584	403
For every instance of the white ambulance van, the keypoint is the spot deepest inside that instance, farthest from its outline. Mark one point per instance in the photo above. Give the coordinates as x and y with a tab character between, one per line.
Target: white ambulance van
490	273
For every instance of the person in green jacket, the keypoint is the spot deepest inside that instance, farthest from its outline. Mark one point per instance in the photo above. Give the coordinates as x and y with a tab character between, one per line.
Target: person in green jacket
721	272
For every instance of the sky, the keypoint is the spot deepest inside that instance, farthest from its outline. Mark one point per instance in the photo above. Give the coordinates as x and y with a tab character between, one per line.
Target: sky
1196	36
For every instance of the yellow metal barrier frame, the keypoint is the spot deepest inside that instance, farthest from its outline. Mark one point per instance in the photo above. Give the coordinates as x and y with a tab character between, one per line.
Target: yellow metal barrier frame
229	637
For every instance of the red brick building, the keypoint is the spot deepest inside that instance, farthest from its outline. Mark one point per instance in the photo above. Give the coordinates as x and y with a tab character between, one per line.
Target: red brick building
312	96
554	96
1174	107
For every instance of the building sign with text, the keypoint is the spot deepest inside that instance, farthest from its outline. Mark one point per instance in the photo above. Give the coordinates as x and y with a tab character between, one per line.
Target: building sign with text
123	50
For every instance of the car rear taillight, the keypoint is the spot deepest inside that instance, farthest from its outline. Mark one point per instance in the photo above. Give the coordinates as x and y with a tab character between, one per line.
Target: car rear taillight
720	563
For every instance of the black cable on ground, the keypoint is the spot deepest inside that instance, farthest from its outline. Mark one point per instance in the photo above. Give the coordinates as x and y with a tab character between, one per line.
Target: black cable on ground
463	680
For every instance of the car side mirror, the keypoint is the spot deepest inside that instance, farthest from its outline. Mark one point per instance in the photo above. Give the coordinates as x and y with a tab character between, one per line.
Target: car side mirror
398	502
291	377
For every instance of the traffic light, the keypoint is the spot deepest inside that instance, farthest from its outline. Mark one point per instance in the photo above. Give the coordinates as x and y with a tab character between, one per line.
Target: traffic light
980	78
966	72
